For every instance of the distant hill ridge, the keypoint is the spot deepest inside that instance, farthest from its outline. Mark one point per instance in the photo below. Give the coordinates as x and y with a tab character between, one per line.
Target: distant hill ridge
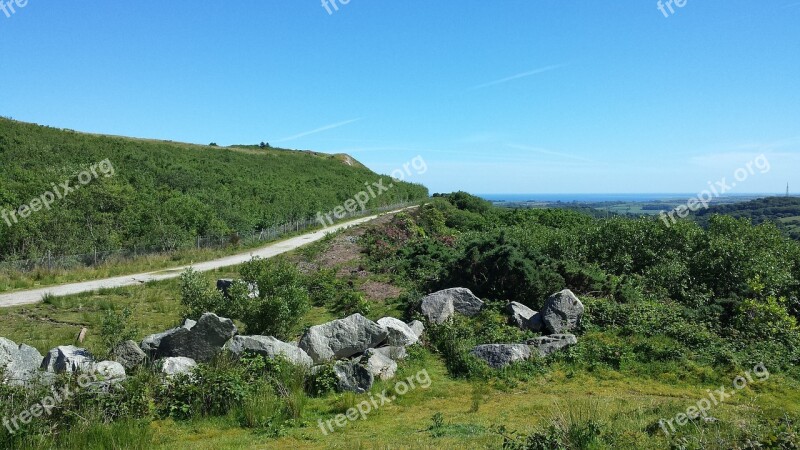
162	193
783	211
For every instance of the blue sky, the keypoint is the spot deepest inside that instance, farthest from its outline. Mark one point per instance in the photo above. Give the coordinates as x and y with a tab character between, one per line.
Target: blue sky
497	97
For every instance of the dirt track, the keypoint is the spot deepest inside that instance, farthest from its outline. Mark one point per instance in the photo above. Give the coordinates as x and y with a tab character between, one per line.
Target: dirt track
274	249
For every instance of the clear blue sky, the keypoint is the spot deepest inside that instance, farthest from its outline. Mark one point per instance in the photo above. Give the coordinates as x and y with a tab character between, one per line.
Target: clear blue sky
497	97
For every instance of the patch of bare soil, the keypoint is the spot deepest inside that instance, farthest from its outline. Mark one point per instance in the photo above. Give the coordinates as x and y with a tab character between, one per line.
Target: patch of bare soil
378	291
345	248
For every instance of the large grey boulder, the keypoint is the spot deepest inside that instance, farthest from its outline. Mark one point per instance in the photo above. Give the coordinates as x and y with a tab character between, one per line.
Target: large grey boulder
151	343
172	367
501	355
69	359
110	370
129	354
400	334
353	377
268	347
562	312
342	338
519	315
19	363
379	365
438	307
202	342
417	327
547	345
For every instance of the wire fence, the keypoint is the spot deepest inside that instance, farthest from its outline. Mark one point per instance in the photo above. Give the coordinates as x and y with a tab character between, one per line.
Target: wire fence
238	239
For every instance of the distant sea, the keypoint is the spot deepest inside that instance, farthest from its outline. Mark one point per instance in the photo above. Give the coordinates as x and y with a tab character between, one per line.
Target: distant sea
593	198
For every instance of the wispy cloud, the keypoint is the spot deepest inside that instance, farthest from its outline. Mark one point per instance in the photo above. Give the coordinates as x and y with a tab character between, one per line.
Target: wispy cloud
545	151
318	130
518	76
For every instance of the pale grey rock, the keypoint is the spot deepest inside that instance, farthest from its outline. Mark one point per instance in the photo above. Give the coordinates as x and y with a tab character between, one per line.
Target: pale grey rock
562	312
342	338
379	366
547	345
501	355
176	366
393	353
519	315
439	307
417	327
268	347
400	334
69	359
110	370
19	363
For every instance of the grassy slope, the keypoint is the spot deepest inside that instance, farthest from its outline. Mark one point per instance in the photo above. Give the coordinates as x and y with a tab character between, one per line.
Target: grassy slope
622	400
163	194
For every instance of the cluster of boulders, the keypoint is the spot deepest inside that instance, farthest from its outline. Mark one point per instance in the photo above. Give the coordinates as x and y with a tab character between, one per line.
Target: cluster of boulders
562	313
358	350
23	365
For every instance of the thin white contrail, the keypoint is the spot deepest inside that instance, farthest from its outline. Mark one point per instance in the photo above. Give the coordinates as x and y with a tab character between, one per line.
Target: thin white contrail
518	76
550	152
318	130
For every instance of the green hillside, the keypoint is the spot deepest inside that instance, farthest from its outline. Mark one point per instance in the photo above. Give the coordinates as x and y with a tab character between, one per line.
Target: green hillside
784	212
161	194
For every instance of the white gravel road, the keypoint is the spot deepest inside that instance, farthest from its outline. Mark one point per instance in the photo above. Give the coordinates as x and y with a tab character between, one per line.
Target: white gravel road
274	249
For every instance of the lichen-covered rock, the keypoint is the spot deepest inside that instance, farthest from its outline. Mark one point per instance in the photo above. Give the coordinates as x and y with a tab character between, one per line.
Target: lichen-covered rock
501	355
546	345
19	363
439	307
129	354
268	347
562	312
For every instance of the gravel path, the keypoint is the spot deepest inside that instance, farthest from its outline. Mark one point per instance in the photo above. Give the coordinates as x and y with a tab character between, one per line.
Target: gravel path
274	249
